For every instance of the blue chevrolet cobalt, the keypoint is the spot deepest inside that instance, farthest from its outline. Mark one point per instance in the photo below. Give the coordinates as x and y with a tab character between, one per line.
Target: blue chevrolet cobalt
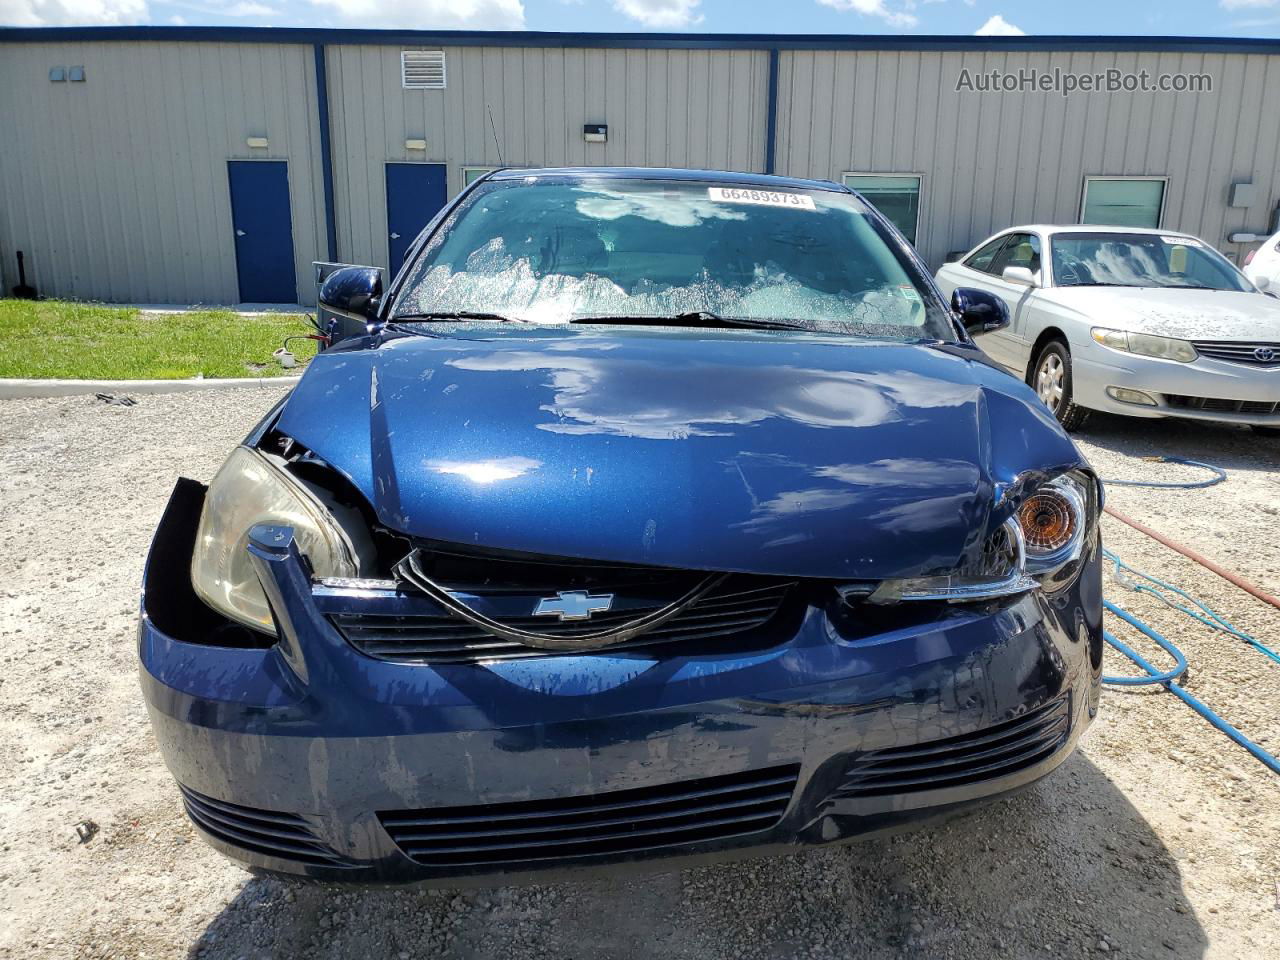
647	517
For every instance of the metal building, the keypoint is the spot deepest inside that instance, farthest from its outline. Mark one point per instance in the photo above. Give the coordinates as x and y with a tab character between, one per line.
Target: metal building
214	165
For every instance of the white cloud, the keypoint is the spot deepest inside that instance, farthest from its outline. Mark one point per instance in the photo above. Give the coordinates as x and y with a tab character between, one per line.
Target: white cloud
660	13
41	13
249	10
875	8
1247	4
998	26
430	14
241	8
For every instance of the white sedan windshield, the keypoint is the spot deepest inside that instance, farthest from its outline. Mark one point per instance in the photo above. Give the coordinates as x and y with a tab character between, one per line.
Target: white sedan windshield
555	251
1109	259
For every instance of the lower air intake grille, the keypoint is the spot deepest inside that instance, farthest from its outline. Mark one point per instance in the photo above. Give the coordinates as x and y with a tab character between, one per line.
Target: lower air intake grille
1217	405
738	605
971	758
283	835
604	824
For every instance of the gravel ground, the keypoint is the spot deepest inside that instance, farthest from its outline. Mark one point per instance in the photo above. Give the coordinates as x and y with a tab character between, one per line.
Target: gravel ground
1157	839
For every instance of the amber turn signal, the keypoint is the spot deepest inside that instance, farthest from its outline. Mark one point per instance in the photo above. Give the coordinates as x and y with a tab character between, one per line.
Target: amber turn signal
1048	520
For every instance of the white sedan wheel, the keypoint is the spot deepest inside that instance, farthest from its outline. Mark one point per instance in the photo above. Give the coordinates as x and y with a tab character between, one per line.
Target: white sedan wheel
1049	380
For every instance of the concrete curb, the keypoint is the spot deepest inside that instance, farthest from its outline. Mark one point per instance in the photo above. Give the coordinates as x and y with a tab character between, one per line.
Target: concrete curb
74	388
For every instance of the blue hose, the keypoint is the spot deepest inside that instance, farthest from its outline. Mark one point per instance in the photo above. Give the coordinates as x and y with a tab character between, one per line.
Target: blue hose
1202	613
1154	676
1166	678
1218	476
1161	590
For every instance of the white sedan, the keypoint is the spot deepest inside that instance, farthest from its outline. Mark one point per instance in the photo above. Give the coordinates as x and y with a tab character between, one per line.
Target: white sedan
1144	323
1262	266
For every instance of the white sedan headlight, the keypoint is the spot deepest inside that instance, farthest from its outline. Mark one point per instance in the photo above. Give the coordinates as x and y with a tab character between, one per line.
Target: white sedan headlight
249	490
1146	345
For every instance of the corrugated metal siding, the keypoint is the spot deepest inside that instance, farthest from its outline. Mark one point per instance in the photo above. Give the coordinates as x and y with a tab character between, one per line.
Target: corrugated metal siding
696	108
990	160
116	188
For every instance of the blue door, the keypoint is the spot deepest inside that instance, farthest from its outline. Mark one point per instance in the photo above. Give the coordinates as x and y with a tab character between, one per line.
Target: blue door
415	194
263	230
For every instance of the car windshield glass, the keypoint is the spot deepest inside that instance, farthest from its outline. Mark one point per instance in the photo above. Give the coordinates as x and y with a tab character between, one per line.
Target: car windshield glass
1140	260
554	250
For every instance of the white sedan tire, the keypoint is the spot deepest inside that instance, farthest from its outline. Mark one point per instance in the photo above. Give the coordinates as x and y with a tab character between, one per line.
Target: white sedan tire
1051	380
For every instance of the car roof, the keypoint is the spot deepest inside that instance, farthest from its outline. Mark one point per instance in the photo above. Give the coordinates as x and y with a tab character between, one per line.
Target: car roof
1093	228
668	173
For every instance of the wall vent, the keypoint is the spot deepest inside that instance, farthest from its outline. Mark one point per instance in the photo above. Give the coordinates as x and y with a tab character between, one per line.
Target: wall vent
422	69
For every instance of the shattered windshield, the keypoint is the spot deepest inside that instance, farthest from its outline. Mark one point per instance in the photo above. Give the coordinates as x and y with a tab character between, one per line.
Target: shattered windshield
554	251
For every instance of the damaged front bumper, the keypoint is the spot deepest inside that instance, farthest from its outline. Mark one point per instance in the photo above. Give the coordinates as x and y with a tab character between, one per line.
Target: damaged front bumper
309	757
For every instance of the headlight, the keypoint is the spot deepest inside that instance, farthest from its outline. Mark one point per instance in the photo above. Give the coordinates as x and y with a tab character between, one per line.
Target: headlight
998	572
249	490
1053	521
1032	550
1146	345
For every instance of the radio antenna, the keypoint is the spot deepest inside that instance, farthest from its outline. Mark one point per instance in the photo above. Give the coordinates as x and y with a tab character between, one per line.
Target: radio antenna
501	161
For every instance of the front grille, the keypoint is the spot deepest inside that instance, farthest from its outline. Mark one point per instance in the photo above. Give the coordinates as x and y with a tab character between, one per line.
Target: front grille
603	824
735	607
955	761
272	834
1217	405
1236	352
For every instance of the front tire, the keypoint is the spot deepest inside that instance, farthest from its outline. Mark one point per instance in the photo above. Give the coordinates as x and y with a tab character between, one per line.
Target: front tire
1051	380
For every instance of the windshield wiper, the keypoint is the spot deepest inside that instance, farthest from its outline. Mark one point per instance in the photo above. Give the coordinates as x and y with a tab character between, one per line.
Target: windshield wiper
694	318
1148	286
455	315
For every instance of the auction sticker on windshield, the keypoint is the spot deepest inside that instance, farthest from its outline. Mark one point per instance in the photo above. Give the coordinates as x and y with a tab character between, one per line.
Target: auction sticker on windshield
767	198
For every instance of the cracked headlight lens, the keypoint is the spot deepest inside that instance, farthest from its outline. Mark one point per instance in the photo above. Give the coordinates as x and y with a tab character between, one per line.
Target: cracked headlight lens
249	490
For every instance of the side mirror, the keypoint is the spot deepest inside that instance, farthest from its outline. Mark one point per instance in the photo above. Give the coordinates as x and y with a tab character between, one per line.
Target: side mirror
353	293
979	311
1022	275
1263	283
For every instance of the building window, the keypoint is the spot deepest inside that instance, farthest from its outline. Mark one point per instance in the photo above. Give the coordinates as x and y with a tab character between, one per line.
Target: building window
471	174
1123	201
896	195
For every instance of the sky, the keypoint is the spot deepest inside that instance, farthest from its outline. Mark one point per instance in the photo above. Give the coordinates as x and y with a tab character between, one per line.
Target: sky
1239	18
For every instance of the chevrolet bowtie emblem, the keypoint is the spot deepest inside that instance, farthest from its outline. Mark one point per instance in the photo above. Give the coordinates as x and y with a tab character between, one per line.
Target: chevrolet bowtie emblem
573	605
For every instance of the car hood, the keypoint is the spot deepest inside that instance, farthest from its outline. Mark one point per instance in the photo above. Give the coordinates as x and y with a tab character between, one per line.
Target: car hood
718	450
1181	313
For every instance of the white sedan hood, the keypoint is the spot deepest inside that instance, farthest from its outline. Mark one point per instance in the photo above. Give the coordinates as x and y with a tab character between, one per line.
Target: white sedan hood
1186	314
